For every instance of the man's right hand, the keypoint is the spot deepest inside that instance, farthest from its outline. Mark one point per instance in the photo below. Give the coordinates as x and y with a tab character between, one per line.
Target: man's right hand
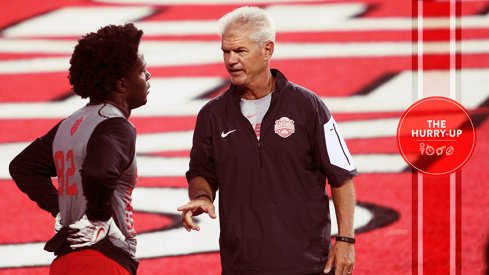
196	207
86	233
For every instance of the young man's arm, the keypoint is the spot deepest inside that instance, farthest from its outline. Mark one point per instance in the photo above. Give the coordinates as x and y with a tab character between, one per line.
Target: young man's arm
32	170
110	151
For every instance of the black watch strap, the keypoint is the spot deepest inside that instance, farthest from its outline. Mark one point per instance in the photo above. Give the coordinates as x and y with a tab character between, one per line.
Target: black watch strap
345	239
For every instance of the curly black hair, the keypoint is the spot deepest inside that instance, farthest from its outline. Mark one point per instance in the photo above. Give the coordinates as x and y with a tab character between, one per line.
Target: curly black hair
103	57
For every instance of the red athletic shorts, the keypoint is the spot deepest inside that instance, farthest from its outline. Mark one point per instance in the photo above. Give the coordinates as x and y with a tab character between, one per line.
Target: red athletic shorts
86	262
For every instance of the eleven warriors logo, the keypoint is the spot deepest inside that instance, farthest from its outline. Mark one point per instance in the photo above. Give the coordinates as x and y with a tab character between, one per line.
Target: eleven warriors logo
430	150
284	127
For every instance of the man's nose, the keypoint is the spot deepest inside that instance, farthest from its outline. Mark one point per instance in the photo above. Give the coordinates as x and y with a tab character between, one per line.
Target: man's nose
233	58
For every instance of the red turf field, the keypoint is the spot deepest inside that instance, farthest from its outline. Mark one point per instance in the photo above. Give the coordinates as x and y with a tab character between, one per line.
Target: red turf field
356	50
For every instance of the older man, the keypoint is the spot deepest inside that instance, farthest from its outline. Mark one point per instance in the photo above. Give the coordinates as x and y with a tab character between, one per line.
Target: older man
268	145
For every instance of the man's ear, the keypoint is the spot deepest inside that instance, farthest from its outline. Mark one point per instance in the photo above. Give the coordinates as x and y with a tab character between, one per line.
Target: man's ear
121	85
268	49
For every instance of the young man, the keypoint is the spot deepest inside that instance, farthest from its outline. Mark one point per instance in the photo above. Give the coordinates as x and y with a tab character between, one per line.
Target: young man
269	145
92	153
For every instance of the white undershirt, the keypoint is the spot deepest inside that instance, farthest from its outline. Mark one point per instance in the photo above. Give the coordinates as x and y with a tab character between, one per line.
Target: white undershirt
255	110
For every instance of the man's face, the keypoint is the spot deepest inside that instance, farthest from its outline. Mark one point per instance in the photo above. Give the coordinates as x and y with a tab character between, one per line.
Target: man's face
137	84
243	57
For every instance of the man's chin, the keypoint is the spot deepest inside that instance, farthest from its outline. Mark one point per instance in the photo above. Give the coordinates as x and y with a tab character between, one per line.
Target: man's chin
238	81
142	103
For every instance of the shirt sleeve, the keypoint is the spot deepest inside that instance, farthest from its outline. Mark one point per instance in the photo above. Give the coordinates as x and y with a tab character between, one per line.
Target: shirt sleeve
32	170
110	151
202	152
331	152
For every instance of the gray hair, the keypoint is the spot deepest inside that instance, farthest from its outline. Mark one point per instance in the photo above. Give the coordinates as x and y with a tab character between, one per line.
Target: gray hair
253	18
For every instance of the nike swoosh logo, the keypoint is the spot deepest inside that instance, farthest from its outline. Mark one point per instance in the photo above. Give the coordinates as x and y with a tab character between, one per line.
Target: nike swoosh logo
100	230
223	135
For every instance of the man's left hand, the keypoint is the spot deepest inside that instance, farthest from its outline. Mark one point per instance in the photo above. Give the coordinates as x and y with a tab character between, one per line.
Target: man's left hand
57	223
342	257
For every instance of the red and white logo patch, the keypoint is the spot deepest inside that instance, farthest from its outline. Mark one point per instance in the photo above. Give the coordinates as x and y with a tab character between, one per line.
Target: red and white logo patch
76	125
284	127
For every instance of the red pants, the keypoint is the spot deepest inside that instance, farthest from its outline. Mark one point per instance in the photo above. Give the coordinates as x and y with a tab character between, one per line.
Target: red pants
86	262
